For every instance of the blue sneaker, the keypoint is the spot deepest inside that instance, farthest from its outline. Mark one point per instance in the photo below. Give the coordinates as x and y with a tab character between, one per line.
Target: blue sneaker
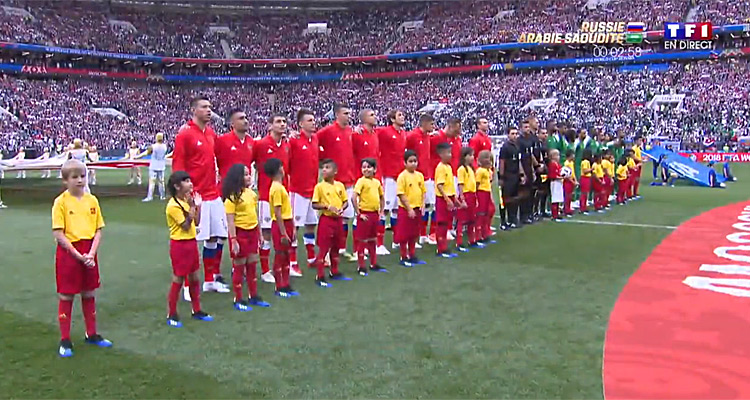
257	301
362	271
406	263
282	294
66	349
417	261
291	291
173	321
98	340
202	316
447	254
321	282
462	249
242	306
339	277
489	241
477	245
377	268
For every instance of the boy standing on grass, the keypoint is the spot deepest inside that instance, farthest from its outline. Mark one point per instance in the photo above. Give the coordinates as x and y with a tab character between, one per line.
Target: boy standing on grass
77	224
446	199
329	196
282	227
411	190
368	203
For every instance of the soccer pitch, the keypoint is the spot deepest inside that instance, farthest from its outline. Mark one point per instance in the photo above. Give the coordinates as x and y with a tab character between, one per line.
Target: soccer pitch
524	318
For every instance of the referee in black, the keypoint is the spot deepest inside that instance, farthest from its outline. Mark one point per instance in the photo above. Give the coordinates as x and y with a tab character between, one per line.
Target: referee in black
510	175
526	143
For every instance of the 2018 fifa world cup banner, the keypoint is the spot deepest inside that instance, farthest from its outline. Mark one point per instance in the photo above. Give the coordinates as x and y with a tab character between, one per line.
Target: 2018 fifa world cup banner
718	157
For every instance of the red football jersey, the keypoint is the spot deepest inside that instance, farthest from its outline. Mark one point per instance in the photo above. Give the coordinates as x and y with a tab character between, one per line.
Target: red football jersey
366	145
230	150
336	143
264	150
456	146
554	170
419	141
392	144
194	154
303	164
480	142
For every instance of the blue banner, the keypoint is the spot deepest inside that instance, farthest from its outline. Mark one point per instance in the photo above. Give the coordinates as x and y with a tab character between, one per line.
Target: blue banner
685	168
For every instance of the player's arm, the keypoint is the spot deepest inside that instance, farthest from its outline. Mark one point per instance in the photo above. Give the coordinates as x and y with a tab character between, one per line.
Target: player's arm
344	200
355	198
229	210
64	242
381	210
441	192
280	223
179	153
460	194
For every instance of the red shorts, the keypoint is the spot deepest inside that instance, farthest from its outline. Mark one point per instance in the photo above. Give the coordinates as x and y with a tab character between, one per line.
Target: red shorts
367	229
248	240
441	209
585	184
469	213
330	231
73	276
407	228
484	202
184	256
276	234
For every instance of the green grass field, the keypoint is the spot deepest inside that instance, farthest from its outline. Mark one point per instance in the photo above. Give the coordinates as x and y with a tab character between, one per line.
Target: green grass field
524	318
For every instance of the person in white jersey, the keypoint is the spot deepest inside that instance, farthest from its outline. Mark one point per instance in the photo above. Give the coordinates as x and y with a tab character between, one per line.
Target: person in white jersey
19	159
135	171
93	157
80	153
45	156
156	166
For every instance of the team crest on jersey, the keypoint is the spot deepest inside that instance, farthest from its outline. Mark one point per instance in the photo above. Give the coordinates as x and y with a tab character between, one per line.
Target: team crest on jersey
338	139
92	210
268	219
304	147
365	143
234	148
199	143
298	217
270	151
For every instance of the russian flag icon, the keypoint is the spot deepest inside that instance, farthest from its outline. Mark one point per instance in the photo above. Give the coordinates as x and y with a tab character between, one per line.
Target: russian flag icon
634	27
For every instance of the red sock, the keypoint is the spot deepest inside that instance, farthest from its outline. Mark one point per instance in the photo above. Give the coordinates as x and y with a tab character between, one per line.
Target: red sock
278	259
371	249
310	251
555	210
217	259
442	238
64	315
285	270
361	254
412	246
174	294
433	224
293	256
195	295
423	228
238	276
252	279
88	304
264	256
334	260
404	250
344	239
459	233
208	269
381	233
471	232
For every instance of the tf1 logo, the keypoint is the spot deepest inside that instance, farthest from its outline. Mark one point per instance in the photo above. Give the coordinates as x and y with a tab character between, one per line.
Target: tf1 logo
688	31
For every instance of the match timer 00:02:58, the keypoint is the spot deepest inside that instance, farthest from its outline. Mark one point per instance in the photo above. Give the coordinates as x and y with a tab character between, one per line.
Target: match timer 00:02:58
617	51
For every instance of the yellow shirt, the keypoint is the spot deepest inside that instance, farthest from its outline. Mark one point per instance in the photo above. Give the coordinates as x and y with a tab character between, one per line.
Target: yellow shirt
467	178
631	163
411	185
369	191
598	170
570	164
330	194
637	153
608	168
444	175
484	179
175	218
78	218
585	164
245	210
622	172
279	197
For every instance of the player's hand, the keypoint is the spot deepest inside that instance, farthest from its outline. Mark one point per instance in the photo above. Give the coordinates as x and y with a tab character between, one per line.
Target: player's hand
292	134
363	217
358	129
235	246
285	240
450	204
88	260
411	213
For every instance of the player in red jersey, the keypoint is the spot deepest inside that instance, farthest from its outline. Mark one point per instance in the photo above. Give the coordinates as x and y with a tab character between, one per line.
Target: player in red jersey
194	154
336	144
481	141
303	176
392	142
418	141
366	145
451	134
274	145
234	147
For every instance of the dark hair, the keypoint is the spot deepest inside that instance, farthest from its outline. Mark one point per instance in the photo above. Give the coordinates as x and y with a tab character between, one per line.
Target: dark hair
392	115
454	121
337	107
597	158
588	155
370	161
175	179
511	128
276	115
441	147
234	111
233	184
569	153
479	118
607	152
408	154
526	121
272	167
623	161
465	151
194	101
424	118
327	161
302	112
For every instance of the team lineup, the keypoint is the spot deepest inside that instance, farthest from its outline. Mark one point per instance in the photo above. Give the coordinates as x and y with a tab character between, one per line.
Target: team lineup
424	185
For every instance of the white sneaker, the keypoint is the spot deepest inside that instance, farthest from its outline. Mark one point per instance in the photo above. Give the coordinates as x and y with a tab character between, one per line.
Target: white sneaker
268	277
417	246
395	246
2	205
162	198
209	286
222	287
431	240
423	240
186	294
382	251
147	199
295	271
451	235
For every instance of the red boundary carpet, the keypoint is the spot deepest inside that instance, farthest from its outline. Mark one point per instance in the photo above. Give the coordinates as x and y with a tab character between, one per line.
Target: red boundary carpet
680	331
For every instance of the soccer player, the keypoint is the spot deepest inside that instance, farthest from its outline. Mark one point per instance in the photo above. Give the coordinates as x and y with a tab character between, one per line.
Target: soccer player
19	157
622	180
542	183
410	190
135	171
183	211
467	202
481	141
77	224
330	197
556	183
366	145
570	182
282	227
194	154
392	142
485	201
445	204
274	145
418	141
638	158
303	176
241	204
586	169
527	142
368	203
235	146
156	166
94	157
510	174
336	144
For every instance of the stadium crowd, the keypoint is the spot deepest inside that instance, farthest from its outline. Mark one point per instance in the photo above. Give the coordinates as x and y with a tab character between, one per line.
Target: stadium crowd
357	31
717	105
